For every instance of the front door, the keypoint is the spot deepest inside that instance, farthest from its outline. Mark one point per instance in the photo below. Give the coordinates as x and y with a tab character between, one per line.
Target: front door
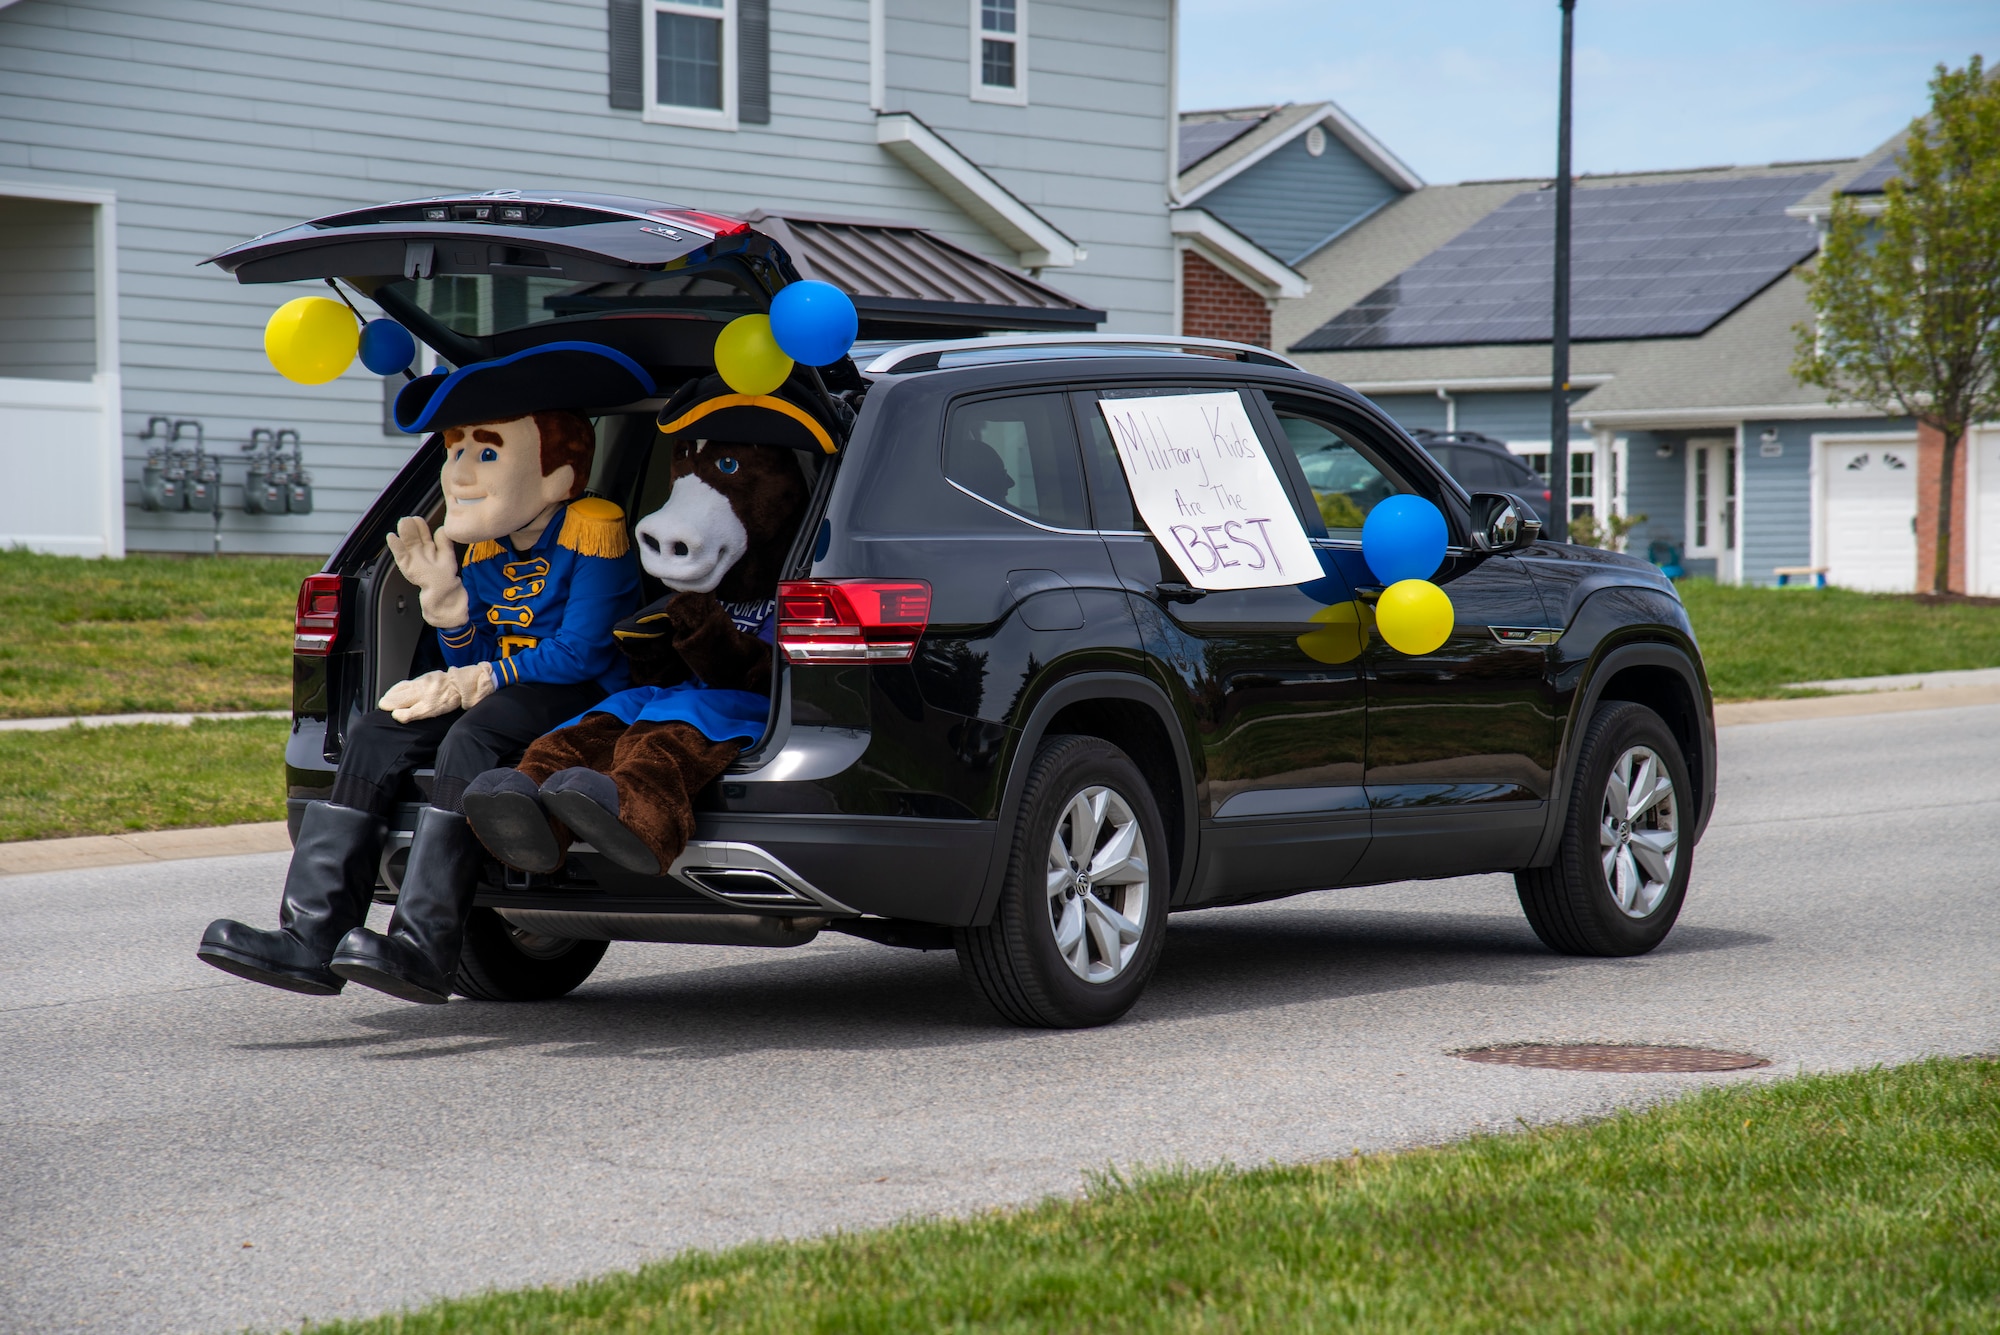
1273	679
1460	741
1712	505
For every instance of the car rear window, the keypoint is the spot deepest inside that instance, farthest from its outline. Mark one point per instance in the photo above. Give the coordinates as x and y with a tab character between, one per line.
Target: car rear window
481	305
1019	453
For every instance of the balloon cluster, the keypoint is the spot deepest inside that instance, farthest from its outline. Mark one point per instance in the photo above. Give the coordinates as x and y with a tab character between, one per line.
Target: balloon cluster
810	322
1403	541
311	340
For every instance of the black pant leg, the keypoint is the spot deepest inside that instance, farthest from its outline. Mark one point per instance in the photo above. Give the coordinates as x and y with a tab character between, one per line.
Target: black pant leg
499	728
378	754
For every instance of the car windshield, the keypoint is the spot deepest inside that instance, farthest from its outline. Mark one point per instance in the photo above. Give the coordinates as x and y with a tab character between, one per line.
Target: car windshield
481	305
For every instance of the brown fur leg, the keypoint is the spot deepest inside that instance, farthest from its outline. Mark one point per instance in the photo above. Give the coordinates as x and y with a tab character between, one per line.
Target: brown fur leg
659	768
590	744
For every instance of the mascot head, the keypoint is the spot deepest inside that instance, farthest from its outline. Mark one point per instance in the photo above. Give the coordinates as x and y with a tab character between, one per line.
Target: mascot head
728	520
499	477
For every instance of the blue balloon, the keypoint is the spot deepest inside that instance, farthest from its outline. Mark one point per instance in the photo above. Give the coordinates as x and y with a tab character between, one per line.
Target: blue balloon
1403	538
386	347
814	323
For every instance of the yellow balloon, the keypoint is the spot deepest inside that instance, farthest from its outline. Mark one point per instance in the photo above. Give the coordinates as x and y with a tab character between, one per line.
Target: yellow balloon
1414	616
311	339
748	358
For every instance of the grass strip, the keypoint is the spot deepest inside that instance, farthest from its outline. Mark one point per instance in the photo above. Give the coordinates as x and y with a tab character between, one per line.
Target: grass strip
144	776
1756	640
1861	1201
146	633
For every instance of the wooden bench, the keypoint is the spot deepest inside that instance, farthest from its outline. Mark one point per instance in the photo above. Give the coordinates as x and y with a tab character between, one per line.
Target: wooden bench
1786	574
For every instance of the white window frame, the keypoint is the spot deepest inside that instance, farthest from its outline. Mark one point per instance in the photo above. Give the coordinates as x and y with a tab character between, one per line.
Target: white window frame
1600	505
656	112
982	92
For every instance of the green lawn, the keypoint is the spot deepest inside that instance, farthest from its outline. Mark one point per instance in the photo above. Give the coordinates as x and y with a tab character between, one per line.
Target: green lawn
1856	1202
150	776
146	633
1756	640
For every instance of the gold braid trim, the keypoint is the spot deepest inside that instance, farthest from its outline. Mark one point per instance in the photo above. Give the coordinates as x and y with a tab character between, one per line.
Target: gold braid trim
594	527
483	551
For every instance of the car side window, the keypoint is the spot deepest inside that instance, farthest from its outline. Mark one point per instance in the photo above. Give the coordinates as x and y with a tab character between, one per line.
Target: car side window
1020	453
1346	482
1110	493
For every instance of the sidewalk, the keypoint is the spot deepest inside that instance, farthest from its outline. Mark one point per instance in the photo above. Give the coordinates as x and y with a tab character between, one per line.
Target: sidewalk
112	850
114	720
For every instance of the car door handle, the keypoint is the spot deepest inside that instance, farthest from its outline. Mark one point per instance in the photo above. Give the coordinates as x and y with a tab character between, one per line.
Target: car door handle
1367	593
1174	592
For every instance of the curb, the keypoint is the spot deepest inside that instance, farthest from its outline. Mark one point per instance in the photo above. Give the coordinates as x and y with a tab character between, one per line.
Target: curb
117	850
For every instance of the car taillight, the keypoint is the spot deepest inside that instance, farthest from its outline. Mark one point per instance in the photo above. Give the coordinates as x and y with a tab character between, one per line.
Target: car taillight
317	625
852	620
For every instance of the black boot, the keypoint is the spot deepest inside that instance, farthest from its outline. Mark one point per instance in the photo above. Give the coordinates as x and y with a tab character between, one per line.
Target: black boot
505	811
416	959
327	889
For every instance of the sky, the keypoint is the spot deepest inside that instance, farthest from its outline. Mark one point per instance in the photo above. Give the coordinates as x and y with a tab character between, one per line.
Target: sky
1466	89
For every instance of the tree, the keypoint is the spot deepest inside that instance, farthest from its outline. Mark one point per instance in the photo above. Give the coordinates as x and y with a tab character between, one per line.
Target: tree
1907	299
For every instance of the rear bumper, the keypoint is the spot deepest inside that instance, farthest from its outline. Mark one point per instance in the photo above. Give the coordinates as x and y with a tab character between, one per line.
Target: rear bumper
882	866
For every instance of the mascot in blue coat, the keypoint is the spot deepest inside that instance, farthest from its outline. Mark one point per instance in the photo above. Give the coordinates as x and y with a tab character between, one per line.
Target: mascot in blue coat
524	580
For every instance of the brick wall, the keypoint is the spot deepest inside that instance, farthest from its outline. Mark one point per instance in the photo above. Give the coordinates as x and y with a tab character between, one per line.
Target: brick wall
1214	305
1930	464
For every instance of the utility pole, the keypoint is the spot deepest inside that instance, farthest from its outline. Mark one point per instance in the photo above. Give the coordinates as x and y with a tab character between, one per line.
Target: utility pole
1557	525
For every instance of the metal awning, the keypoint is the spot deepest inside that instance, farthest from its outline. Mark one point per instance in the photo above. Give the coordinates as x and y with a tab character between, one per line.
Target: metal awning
910	283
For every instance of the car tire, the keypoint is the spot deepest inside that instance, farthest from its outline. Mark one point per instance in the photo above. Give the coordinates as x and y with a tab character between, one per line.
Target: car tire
1073	945
1621	869
500	962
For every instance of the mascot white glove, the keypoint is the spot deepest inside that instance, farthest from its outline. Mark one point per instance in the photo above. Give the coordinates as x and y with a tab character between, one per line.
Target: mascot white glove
437	693
430	563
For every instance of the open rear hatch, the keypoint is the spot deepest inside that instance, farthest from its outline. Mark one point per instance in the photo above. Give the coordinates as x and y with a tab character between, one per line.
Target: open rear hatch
481	276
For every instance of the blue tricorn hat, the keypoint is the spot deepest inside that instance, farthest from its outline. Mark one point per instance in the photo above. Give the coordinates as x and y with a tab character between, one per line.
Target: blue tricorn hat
572	376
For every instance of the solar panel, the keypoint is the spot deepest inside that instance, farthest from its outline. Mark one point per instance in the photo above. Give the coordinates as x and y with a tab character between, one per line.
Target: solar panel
1874	179
1646	261
1201	138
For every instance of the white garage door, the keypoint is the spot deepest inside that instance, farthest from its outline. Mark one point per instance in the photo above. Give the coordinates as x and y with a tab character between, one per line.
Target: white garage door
1868	512
1985	448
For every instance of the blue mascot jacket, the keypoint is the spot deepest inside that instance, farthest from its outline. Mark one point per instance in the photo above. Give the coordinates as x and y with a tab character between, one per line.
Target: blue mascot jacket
546	614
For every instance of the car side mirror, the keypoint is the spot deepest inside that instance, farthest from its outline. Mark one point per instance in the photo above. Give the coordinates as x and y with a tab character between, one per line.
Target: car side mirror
1502	523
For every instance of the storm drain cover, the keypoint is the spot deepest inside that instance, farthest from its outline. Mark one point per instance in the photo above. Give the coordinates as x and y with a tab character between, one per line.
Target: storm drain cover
1614	1057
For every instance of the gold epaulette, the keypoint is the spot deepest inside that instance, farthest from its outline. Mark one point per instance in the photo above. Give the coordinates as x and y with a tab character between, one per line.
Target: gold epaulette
483	551
594	527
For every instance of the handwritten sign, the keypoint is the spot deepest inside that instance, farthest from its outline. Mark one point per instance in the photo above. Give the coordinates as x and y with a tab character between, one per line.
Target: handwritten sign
1208	492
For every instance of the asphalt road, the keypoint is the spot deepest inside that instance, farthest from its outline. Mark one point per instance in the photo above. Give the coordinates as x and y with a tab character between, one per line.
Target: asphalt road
183	1151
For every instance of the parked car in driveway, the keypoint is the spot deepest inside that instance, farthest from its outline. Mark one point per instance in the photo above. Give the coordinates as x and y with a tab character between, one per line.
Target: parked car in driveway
1004	723
1481	463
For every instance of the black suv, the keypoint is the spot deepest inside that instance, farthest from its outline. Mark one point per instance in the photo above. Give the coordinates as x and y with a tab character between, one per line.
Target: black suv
1004	723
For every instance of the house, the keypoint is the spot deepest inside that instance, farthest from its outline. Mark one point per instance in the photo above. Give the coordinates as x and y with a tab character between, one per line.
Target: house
1025	144
1682	407
1259	191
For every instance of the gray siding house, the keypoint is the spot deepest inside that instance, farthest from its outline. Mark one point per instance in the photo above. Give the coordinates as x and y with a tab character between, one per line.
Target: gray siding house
1259	191
138	137
1682	404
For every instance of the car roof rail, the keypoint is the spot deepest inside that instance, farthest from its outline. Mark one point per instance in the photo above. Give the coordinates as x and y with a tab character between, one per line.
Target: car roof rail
929	356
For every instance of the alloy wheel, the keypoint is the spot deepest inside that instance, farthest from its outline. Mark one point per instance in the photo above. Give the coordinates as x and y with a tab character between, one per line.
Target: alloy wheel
1097	884
1639	831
